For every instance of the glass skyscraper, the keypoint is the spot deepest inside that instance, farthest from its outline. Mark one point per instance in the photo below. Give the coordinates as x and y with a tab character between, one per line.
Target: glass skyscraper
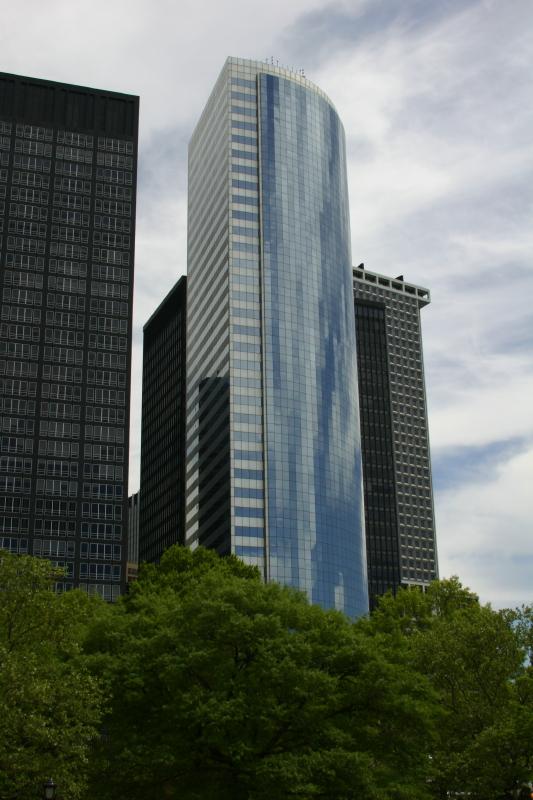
273	469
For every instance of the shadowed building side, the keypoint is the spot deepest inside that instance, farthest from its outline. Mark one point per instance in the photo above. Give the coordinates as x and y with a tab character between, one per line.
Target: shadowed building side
401	539
162	503
214	465
379	478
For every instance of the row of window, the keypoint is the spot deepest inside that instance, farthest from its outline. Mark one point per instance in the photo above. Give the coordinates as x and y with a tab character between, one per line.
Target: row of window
60	508
64	137
27	279
71	153
59	527
10	405
74	203
24	245
16	425
18	369
60	469
23	261
52	548
31	212
23	332
15	485
76	235
74	169
19	388
105	531
103	491
68	250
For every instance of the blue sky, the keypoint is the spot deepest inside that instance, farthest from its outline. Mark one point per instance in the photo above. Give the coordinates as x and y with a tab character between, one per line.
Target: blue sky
435	96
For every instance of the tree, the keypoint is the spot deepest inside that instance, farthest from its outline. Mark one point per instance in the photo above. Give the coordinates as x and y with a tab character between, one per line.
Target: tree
224	687
49	703
478	661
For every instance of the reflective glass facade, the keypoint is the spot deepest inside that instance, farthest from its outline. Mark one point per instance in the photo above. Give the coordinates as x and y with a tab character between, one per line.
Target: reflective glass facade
313	457
273	450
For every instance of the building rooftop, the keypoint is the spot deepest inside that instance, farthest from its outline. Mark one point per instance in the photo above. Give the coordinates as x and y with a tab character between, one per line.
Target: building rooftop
398	285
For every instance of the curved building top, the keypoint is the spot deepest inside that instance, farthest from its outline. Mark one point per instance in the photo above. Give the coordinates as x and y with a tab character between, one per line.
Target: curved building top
282	72
261	67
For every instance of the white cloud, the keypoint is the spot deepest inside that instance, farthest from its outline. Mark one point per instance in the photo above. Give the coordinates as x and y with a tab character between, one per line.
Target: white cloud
432	113
486	532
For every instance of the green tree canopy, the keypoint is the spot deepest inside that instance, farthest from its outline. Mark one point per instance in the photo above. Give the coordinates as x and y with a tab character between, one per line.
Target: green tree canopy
49	703
225	687
218	686
479	663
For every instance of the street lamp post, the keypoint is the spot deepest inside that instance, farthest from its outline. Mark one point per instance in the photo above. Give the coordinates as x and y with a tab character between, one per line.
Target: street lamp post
49	790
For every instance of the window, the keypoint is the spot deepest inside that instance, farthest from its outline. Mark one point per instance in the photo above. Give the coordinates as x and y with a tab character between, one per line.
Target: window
54	527
100	572
53	549
55	508
101	530
57	487
100	551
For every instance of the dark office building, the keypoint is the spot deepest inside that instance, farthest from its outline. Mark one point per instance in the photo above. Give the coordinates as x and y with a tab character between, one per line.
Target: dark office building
162	506
399	516
381	519
67	221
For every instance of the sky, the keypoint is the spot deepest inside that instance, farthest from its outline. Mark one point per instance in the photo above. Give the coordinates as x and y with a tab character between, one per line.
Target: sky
436	101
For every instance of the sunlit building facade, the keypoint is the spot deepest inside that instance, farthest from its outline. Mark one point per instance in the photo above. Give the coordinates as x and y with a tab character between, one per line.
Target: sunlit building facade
273	446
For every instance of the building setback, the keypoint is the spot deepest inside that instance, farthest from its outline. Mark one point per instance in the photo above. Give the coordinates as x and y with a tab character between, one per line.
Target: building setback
399	515
68	159
162	505
273	445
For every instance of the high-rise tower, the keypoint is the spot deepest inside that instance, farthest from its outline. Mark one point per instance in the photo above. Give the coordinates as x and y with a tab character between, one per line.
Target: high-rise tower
400	524
273	446
68	159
